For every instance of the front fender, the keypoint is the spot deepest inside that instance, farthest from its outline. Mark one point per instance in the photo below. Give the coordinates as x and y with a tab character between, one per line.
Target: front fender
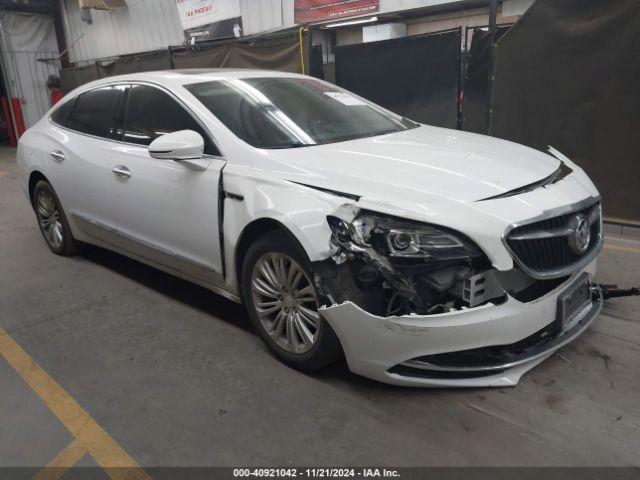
301	210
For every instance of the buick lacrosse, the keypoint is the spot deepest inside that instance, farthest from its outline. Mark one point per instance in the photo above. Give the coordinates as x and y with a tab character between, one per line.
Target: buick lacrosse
425	256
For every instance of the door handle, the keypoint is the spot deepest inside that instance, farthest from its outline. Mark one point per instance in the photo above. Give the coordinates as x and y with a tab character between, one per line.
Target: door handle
57	155
121	171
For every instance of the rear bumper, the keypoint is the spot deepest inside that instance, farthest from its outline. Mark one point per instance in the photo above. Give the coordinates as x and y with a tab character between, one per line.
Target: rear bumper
393	349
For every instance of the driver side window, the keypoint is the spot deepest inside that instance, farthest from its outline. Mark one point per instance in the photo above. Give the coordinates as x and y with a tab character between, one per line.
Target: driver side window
152	113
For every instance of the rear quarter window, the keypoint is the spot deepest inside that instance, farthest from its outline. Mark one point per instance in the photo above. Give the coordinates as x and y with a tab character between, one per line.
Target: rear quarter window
63	112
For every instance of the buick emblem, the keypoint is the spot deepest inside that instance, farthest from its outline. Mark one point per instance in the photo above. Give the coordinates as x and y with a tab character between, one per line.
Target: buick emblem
580	236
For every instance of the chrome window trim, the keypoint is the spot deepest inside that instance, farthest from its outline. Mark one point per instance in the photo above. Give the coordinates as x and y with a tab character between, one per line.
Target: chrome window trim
556	212
131	83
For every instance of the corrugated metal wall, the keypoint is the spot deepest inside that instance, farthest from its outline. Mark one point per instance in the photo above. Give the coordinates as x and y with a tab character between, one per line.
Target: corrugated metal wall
144	25
153	24
262	15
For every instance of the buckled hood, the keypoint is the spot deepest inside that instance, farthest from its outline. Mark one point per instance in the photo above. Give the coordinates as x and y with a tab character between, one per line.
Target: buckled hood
455	165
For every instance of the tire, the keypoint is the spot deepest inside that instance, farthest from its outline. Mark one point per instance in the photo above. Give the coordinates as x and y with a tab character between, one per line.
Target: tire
52	221
290	311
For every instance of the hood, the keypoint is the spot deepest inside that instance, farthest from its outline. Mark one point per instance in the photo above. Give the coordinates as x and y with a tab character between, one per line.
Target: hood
451	164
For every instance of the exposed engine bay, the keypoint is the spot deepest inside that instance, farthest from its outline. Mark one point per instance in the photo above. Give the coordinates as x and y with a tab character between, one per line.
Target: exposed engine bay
393	266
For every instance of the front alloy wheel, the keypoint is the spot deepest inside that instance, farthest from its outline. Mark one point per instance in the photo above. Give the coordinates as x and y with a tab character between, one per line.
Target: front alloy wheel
285	302
278	290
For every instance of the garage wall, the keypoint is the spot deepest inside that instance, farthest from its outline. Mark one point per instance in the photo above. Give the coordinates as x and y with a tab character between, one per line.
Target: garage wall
147	25
264	15
509	12
153	24
30	53
143	26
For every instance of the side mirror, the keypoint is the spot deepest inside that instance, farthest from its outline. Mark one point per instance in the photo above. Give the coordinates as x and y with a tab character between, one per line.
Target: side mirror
180	145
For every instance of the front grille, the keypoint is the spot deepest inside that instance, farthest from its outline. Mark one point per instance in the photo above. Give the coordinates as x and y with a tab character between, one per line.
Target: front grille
545	245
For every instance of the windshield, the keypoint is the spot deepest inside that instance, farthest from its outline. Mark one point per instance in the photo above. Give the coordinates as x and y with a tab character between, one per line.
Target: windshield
284	112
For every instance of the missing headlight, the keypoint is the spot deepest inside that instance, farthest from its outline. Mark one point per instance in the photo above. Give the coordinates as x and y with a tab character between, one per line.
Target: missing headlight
408	266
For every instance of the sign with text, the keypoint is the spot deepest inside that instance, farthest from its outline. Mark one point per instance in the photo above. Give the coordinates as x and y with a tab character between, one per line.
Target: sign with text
307	11
209	19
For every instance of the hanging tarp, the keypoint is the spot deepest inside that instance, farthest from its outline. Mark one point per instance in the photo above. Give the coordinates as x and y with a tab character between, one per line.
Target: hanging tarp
281	54
417	77
30	53
476	83
212	57
316	64
143	62
567	75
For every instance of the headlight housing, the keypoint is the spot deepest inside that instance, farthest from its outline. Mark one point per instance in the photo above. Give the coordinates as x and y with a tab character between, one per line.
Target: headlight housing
427	242
404	239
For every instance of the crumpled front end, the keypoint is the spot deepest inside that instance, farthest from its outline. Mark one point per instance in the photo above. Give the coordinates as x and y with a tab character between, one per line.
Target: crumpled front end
487	346
420	304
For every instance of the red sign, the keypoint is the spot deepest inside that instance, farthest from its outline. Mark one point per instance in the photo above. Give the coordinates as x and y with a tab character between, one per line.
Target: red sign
307	11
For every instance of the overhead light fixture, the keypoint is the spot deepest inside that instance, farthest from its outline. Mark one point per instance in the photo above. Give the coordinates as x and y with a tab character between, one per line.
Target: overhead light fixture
352	22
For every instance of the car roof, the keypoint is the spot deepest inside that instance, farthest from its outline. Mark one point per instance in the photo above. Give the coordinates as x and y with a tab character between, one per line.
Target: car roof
192	75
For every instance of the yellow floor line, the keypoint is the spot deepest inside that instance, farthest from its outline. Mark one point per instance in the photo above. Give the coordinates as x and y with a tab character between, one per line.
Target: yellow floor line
89	435
2	174
621	248
66	459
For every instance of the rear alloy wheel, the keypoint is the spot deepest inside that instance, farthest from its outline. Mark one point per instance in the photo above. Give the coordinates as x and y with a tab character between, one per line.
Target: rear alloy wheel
49	219
52	221
282	302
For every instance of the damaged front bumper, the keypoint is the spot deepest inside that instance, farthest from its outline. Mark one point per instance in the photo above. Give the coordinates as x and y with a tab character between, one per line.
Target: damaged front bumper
488	345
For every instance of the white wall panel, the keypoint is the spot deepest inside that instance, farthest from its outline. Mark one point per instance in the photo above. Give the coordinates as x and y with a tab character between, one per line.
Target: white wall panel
144	25
263	15
153	24
30	54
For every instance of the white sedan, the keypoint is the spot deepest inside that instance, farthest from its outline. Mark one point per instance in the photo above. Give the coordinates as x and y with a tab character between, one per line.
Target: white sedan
425	256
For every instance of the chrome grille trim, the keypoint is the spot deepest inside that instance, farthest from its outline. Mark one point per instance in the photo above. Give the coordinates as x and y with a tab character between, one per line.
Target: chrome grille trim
554	235
593	217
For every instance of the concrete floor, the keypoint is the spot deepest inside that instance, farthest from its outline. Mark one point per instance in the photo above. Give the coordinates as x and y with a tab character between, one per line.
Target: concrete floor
175	375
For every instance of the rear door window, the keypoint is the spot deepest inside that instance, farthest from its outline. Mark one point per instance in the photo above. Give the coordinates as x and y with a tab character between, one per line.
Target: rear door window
152	113
94	111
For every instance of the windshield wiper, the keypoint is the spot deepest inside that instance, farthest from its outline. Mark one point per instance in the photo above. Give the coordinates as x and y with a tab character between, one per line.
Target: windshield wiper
287	145
382	132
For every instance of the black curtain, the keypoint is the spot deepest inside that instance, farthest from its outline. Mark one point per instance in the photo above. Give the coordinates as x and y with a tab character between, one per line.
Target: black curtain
567	75
276	53
316	67
143	62
417	77
280	53
476	82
